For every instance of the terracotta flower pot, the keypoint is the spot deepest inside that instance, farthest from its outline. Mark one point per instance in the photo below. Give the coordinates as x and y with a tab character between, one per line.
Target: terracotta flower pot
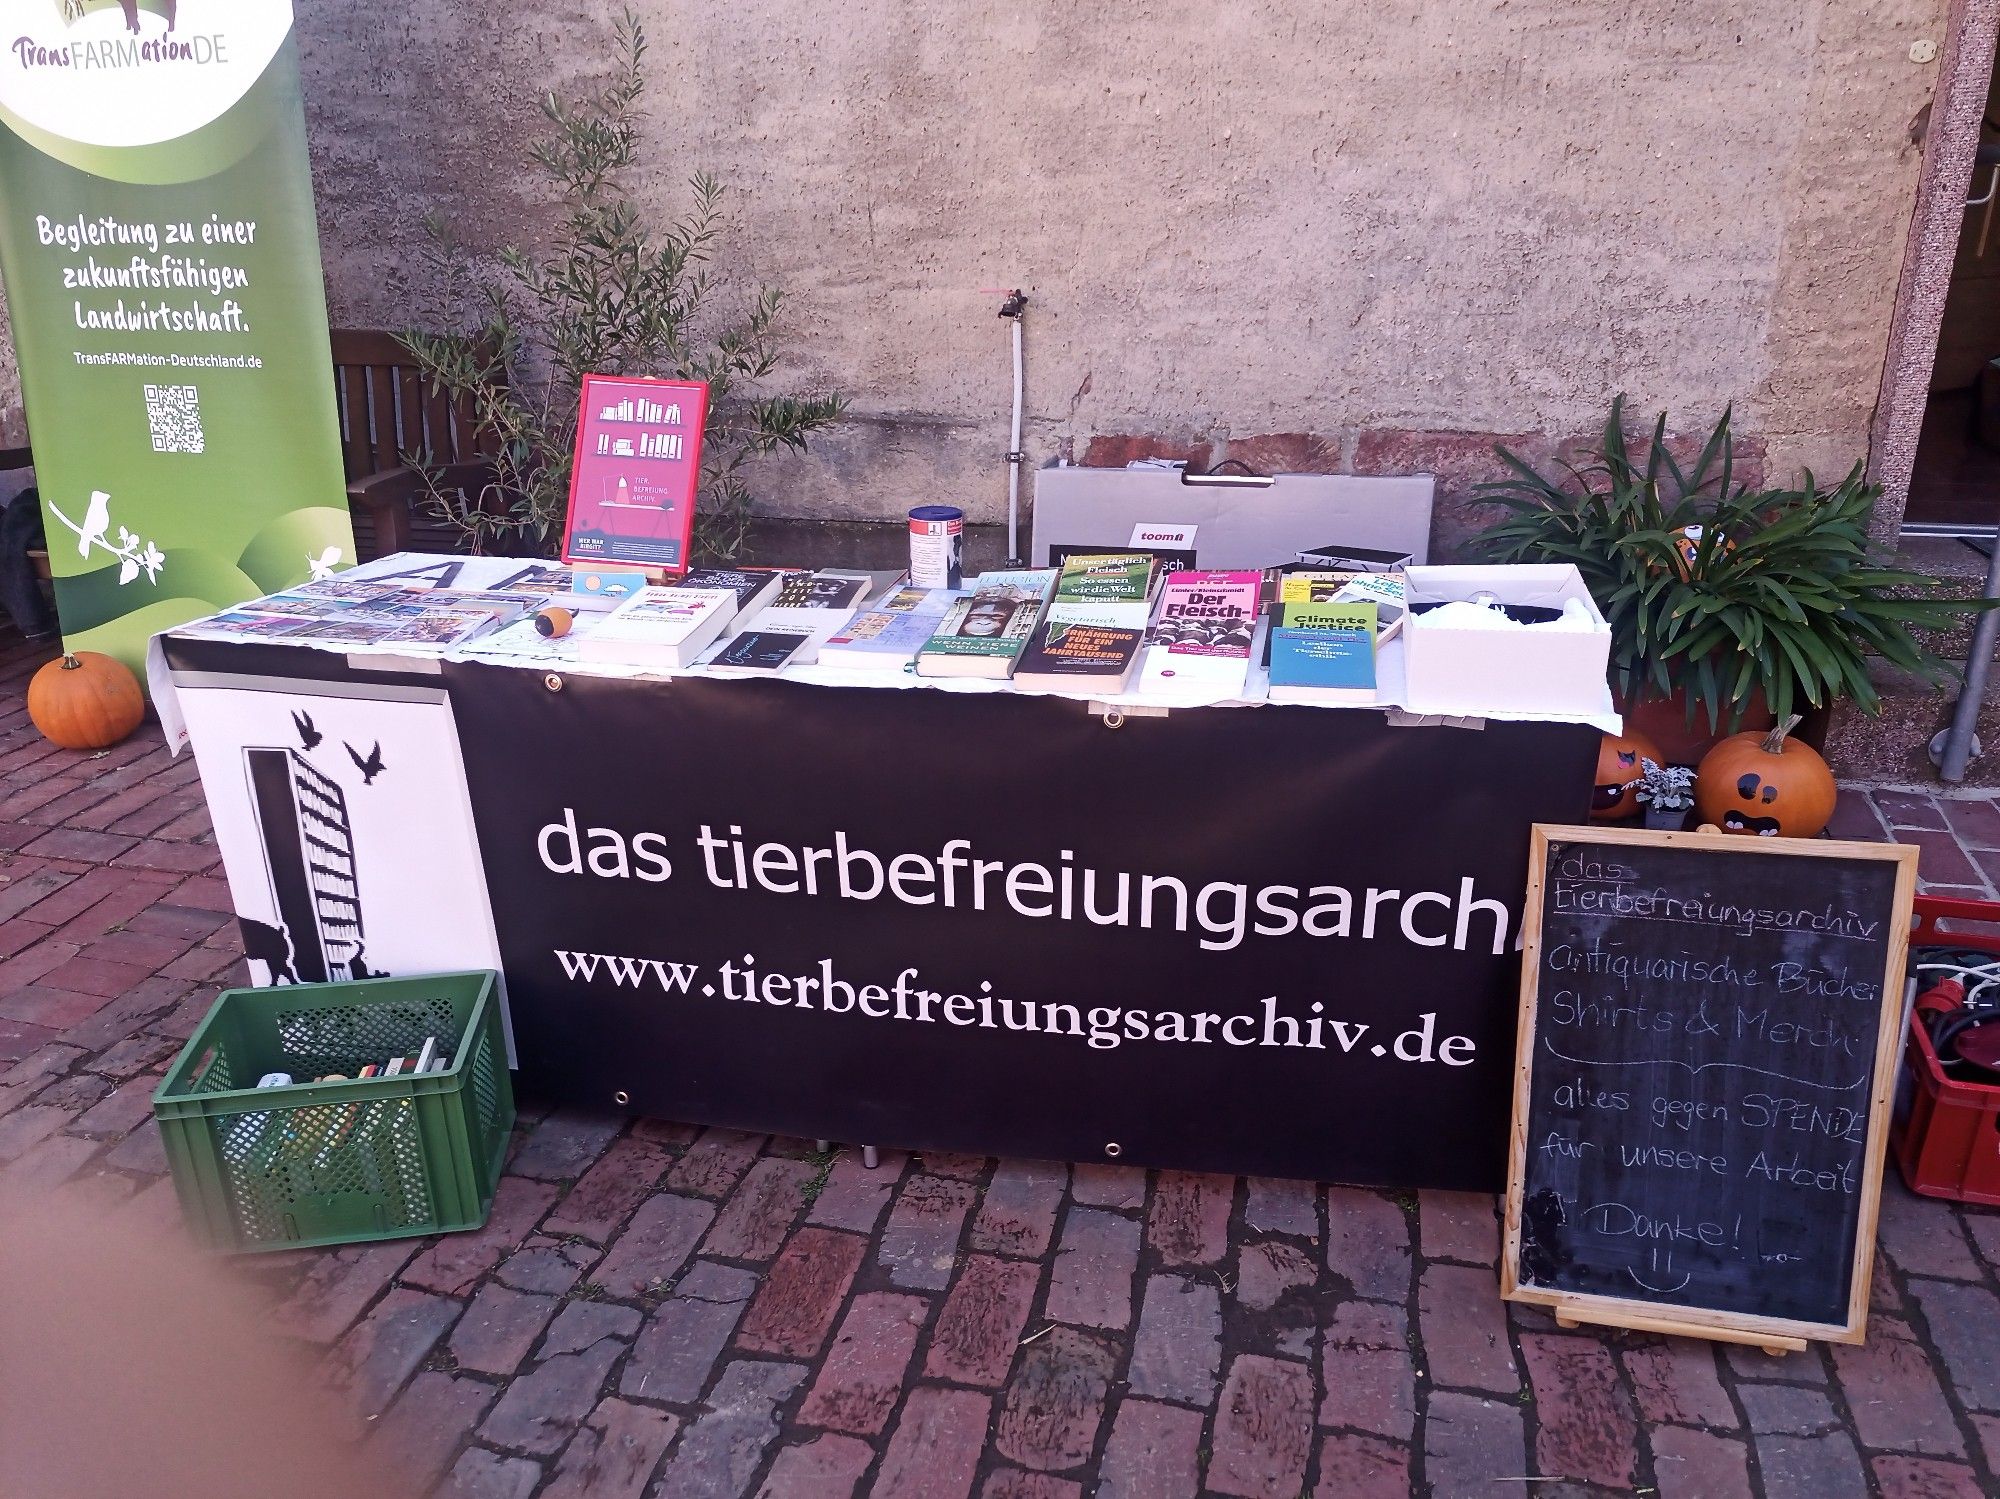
1664	720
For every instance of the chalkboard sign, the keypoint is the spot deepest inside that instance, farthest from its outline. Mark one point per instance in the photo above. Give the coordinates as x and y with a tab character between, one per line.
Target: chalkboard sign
1707	1043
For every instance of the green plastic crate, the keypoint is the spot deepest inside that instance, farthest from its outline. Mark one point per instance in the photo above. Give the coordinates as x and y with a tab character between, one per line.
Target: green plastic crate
347	1162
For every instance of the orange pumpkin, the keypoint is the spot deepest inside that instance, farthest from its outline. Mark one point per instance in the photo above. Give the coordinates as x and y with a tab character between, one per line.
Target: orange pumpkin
1687	549
1618	758
85	701
1765	785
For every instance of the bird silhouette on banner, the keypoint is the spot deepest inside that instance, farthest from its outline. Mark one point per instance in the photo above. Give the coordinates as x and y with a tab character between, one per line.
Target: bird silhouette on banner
370	767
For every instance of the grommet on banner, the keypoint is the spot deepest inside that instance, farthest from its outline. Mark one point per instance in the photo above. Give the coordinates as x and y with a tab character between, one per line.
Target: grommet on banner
552	682
1113	718
1113	1149
621	1097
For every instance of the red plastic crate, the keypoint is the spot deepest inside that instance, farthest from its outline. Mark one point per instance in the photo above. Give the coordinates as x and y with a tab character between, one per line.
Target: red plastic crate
1947	1141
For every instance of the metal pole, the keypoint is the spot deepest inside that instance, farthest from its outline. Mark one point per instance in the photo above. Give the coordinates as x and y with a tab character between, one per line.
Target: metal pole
1965	717
1012	309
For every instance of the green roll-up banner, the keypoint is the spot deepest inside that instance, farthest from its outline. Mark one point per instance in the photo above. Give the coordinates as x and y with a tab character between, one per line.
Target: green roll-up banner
163	279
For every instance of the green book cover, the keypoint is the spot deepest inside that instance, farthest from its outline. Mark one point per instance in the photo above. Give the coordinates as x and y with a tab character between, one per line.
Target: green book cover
1106	575
1330	617
997	619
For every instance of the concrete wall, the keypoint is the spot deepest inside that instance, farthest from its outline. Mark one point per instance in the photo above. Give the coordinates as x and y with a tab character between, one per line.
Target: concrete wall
1364	236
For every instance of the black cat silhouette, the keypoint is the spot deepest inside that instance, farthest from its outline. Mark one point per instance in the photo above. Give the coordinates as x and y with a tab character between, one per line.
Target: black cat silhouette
271	946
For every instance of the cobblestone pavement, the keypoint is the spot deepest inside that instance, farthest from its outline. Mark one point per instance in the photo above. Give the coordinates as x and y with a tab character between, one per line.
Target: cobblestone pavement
662	1310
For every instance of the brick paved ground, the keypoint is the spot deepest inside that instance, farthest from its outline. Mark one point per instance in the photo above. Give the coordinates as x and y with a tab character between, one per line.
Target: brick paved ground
657	1309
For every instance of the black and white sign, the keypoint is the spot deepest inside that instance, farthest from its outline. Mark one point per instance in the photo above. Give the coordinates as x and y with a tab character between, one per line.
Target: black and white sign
1708	1037
1271	940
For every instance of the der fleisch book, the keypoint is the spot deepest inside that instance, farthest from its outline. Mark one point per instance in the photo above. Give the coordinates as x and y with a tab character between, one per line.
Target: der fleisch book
984	633
1202	631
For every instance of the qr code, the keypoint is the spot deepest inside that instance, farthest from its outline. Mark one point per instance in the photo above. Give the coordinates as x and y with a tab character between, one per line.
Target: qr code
174	414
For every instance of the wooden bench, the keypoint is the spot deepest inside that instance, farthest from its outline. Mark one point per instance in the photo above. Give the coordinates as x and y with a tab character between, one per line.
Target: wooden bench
388	419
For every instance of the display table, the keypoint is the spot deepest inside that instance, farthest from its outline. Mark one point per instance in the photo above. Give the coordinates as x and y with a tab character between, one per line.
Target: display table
1274	940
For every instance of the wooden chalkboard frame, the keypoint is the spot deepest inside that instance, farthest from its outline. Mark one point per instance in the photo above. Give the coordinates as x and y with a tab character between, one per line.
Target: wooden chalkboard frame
1773	1334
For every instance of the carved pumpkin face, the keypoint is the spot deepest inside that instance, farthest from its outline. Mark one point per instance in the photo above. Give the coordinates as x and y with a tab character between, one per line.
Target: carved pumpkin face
1618	758
1687	549
1765	786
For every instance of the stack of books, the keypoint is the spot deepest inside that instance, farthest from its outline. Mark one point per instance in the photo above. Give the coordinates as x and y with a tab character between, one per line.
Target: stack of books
1088	643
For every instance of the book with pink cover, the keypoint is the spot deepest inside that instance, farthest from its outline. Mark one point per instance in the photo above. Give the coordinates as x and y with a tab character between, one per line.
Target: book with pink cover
1202	631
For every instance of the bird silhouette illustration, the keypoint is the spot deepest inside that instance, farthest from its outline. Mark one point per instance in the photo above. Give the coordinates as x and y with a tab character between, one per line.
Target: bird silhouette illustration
370	767
96	521
309	737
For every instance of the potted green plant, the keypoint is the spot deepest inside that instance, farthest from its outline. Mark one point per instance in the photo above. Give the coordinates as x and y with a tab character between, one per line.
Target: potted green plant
611	293
1666	792
1726	603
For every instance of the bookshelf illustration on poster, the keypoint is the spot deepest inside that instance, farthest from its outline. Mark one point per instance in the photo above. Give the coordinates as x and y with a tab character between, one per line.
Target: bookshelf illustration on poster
638	465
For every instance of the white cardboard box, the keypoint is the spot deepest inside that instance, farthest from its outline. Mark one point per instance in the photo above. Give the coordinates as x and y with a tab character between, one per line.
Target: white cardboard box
1479	671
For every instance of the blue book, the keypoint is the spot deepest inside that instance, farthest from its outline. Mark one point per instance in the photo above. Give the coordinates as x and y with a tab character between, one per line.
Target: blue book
1326	654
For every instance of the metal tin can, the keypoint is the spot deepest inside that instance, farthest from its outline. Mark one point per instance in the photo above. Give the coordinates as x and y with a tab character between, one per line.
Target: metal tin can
937	547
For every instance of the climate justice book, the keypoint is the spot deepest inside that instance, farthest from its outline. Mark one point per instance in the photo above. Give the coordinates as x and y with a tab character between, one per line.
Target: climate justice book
658	627
984	633
1324	653
1387	591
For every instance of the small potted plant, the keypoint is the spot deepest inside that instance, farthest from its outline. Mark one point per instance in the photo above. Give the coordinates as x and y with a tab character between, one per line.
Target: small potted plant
1666	792
1726	603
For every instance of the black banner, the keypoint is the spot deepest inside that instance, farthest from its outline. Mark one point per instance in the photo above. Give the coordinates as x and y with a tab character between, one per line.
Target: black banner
1271	940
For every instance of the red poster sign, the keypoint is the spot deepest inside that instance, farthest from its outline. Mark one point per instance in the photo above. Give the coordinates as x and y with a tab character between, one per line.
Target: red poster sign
638	464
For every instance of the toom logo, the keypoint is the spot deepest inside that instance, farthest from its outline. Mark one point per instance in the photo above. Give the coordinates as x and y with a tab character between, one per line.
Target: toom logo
75	10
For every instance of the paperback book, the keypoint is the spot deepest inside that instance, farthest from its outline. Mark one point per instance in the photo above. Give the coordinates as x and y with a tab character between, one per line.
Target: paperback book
1123	576
1386	591
1087	659
1202	632
821	590
1164	559
1324	653
760	652
658	627
747	590
888	636
984	632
